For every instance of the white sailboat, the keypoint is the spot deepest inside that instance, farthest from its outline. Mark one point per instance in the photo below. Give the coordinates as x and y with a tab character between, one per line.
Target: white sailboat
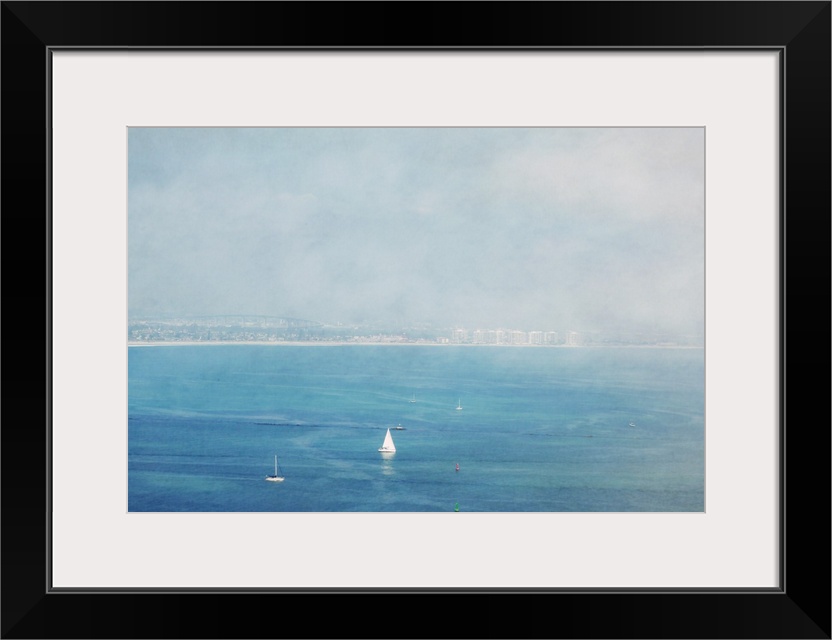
388	446
459	405
278	476
413	399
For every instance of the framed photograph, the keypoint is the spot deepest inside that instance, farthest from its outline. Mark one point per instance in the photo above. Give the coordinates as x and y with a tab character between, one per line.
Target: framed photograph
503	310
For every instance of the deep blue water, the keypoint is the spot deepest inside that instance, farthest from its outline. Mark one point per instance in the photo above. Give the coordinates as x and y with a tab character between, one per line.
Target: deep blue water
541	429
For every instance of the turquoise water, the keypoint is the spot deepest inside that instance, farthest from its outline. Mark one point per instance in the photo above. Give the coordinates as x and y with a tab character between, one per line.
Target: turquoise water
541	429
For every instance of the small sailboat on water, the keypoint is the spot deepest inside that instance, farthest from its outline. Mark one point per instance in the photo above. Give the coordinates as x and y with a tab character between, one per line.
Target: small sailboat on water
388	446
413	399
459	405
278	476
457	466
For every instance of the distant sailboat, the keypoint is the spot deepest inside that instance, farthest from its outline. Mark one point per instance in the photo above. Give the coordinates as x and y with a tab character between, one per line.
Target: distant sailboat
413	399
457	466
459	406
278	476
388	446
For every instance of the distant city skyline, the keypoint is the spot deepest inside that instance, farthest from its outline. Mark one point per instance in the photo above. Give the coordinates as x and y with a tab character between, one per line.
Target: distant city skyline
271	330
534	228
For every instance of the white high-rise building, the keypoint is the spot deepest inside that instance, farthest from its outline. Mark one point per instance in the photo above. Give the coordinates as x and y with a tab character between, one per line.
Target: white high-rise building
519	337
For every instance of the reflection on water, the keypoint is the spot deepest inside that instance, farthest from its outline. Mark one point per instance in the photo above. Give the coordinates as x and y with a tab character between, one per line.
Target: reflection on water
387	464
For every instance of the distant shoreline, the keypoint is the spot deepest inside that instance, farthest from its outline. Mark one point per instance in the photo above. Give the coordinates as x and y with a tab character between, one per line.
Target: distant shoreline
336	343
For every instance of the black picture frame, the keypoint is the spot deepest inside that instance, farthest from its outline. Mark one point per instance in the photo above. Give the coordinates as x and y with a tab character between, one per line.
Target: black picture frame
799	31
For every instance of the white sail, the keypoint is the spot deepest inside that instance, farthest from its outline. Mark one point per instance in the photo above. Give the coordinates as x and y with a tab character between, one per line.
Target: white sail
278	476
388	445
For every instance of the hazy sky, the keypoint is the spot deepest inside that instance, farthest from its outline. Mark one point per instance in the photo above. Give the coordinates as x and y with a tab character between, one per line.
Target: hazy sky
548	229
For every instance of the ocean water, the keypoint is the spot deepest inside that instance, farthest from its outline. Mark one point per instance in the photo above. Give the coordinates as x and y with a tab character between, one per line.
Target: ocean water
540	430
